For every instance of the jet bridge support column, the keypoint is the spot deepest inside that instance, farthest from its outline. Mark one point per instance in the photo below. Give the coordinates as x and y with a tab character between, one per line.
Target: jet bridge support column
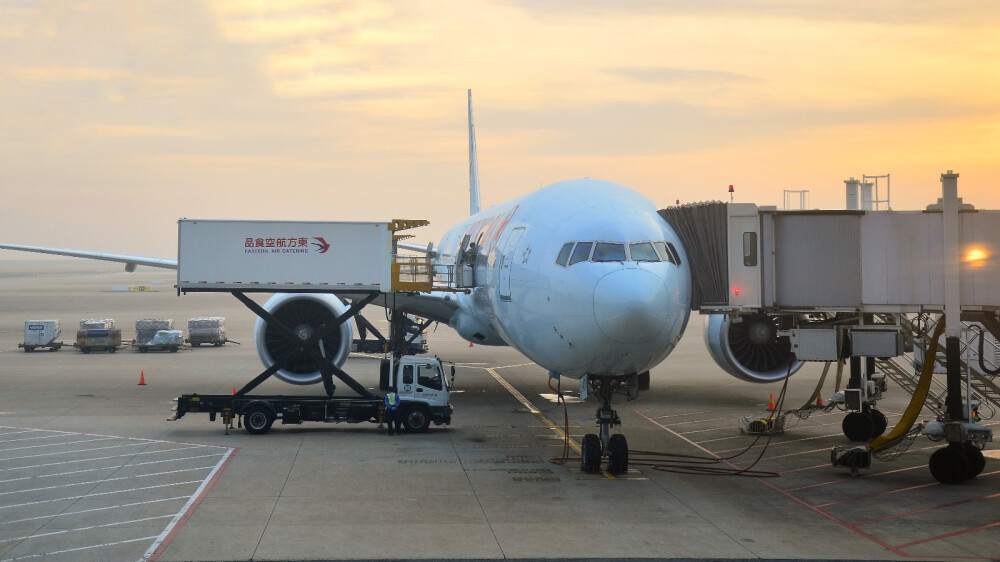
961	459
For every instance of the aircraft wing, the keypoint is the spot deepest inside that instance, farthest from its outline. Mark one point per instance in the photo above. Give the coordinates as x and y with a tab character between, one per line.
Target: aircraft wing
130	261
432	307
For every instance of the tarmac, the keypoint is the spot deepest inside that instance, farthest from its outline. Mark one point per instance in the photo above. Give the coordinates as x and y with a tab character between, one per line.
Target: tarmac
90	468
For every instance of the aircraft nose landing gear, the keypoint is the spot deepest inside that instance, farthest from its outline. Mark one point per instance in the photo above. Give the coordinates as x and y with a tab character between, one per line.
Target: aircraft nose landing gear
594	448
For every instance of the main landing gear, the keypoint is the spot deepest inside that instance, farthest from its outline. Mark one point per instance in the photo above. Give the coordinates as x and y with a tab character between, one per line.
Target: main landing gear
615	447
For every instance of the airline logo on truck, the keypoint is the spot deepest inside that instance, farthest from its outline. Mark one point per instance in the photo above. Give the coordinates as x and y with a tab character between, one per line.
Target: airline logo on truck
290	245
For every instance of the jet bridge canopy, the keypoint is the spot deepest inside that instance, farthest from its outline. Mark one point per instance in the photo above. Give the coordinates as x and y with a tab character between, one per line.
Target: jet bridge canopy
746	258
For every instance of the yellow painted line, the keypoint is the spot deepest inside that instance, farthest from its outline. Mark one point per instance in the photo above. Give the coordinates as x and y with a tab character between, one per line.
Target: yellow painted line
531	408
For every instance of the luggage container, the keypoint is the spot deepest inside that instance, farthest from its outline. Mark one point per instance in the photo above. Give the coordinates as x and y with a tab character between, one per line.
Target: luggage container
163	340
146	329
100	339
208	330
41	334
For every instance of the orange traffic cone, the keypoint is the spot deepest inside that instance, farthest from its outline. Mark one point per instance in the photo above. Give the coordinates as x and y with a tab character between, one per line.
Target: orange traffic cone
470	344
142	378
770	403
819	398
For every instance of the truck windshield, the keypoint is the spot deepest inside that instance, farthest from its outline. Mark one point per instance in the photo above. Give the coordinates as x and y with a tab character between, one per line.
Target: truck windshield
429	376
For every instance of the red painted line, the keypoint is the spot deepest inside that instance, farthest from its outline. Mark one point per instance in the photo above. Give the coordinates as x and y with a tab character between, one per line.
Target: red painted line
880	494
679	415
776	443
926	509
953	534
180	522
808	506
856	478
891	492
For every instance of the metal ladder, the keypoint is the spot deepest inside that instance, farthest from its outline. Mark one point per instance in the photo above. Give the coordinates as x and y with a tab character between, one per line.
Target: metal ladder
905	369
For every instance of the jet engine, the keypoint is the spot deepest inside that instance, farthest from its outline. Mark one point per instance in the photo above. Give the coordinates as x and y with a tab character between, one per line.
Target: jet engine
303	313
749	348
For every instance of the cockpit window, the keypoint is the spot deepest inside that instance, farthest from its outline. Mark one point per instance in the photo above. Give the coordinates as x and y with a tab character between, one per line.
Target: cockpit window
563	258
643	251
581	252
609	251
664	252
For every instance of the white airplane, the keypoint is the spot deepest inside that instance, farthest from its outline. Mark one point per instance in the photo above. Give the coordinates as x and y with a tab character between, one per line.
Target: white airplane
583	277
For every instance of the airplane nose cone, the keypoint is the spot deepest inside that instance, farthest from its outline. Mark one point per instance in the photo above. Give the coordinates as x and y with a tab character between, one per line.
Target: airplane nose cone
630	305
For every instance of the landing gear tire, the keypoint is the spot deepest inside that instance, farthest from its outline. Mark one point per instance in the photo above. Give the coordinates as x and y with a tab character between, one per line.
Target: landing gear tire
618	454
949	465
257	418
975	458
879	423
858	426
416	420
590	454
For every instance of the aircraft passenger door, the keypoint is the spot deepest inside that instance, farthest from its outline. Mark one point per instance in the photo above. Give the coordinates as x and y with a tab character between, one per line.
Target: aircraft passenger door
505	262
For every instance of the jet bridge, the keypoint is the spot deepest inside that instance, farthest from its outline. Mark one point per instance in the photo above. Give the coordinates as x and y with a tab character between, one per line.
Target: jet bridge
782	287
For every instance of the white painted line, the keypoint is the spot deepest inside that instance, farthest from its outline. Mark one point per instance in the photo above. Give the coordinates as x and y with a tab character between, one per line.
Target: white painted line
88	496
195	497
79	451
87	483
116	467
100	458
78	549
78	529
31	438
67	513
55	444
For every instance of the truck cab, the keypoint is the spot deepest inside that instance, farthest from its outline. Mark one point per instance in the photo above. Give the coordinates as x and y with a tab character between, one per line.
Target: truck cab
422	388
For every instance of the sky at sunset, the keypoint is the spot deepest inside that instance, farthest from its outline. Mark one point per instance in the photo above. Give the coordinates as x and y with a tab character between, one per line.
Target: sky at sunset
117	118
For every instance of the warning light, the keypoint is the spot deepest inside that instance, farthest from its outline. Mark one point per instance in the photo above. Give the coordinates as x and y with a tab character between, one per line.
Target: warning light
736	291
976	256
731	189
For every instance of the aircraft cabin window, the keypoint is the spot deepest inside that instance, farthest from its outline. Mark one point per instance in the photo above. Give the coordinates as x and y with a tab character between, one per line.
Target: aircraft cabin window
609	251
428	376
643	251
581	252
563	258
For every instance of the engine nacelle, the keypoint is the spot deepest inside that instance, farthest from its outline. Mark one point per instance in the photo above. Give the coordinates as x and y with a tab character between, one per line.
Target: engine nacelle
303	313
750	349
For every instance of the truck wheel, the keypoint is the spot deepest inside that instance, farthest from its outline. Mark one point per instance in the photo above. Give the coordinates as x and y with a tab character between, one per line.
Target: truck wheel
173	349
416	419
85	350
195	344
27	349
257	418
112	349
143	349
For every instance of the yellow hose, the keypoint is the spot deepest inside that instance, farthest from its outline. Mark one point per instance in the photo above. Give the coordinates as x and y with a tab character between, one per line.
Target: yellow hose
919	395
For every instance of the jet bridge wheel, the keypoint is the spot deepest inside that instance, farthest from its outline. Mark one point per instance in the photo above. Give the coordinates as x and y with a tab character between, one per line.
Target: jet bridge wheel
879	422
590	454
858	426
975	458
950	465
618	454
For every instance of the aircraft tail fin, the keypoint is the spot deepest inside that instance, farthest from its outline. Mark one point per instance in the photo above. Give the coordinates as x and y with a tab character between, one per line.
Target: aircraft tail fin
473	165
